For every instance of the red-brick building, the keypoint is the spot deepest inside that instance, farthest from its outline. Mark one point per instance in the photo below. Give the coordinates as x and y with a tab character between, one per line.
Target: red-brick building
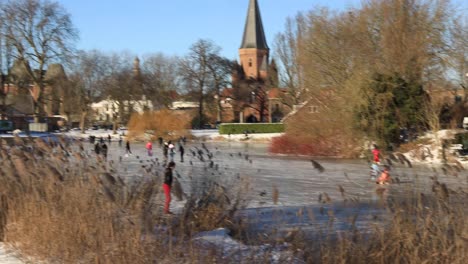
254	96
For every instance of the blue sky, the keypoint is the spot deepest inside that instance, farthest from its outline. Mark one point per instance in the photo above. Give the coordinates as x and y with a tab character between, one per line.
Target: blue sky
171	26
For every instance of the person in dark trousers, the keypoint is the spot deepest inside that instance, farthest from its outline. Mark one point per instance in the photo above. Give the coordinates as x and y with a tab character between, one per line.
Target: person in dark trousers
109	138
104	150
120	141
127	147
161	141
182	151
167	186
97	148
165	150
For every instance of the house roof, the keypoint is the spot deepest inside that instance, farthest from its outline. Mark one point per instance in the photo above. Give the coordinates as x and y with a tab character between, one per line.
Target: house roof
254	35
275	93
20	104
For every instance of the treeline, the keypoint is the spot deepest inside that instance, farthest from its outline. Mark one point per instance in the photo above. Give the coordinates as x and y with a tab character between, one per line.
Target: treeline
367	71
36	35
363	72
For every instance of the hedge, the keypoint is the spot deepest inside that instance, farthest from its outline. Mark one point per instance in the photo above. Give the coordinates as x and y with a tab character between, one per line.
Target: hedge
251	128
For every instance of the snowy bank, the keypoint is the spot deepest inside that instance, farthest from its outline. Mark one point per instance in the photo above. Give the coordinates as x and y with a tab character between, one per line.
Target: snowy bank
214	135
431	152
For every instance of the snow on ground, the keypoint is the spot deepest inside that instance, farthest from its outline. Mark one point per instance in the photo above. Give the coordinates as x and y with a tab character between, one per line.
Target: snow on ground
238	252
8	256
431	153
203	134
213	135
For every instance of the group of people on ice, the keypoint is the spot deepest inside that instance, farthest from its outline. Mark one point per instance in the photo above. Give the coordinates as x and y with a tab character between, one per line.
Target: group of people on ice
378	174
169	149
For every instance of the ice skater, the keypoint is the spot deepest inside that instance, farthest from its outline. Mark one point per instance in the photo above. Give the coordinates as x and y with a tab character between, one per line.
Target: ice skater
384	177
376	154
375	171
167	186
181	151
149	148
127	147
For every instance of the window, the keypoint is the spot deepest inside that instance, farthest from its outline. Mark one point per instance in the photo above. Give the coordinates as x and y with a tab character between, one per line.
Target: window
250	62
313	109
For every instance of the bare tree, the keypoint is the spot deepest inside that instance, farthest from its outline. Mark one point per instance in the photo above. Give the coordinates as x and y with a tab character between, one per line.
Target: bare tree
40	33
220	68
459	53
287	51
338	54
87	76
195	71
160	79
120	87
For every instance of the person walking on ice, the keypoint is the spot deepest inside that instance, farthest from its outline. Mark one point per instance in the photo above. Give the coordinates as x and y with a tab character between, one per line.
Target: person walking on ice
167	186
376	154
182	151
127	147
149	148
375	171
171	150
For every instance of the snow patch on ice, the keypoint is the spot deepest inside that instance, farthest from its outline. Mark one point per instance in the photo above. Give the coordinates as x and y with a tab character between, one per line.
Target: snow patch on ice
236	251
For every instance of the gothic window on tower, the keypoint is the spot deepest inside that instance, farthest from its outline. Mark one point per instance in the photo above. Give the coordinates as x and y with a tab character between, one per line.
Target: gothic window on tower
250	62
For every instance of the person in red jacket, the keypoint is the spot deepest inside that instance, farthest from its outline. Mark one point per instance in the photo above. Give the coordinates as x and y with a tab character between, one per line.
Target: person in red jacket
376	153
167	186
149	148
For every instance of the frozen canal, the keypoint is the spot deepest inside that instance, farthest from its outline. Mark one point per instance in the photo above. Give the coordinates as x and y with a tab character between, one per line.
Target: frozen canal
307	198
297	181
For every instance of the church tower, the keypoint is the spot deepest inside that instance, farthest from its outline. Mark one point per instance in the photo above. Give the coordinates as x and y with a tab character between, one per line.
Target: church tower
254	50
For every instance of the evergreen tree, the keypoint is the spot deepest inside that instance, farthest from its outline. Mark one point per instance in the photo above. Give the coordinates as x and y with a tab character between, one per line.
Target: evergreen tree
393	103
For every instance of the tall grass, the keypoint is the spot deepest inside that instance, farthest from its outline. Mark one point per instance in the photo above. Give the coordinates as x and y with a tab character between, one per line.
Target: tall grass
59	204
422	229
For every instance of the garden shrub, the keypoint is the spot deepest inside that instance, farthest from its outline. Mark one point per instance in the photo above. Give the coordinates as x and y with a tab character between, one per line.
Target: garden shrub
251	128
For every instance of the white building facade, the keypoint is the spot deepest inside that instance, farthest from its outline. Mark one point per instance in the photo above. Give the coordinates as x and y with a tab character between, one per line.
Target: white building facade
107	110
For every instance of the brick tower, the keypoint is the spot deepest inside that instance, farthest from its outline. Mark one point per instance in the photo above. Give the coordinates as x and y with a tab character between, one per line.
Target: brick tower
254	50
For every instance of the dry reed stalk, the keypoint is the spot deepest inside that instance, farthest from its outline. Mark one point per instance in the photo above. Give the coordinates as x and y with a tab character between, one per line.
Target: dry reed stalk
178	191
275	194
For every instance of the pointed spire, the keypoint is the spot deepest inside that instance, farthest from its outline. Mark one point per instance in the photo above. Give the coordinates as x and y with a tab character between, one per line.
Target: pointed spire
254	35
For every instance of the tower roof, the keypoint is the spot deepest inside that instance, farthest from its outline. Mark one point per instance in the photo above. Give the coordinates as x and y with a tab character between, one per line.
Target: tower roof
254	35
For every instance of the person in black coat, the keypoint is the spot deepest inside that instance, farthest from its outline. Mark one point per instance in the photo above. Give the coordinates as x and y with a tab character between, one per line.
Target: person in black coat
104	150
97	148
182	151
127	147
